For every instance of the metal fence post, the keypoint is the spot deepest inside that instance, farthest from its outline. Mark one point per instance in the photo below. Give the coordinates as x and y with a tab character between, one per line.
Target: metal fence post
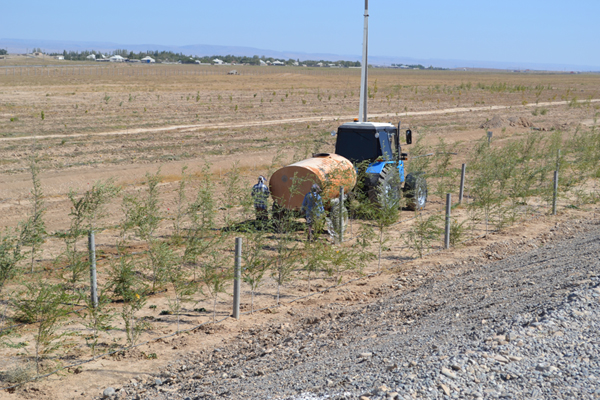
555	193
341	222
93	280
237	278
462	183
447	233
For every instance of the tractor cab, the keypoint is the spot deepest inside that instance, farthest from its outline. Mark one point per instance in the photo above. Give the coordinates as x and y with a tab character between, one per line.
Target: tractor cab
378	146
374	143
367	141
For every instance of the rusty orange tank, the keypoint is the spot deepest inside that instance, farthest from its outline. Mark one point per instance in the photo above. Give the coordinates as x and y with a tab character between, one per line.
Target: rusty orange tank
289	185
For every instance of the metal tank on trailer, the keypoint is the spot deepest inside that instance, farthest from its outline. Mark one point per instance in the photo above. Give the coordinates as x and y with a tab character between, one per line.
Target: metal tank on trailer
289	184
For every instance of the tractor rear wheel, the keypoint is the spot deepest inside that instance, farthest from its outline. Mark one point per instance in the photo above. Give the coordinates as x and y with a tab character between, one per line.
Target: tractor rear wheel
384	189
415	191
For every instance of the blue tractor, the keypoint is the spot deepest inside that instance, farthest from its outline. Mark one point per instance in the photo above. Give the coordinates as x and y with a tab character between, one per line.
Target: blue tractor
376	147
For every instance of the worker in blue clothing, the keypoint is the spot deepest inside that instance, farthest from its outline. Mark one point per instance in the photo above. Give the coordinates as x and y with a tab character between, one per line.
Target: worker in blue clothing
312	205
260	194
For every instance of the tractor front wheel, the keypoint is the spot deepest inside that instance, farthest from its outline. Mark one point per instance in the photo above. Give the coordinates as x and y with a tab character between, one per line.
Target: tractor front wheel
384	189
415	191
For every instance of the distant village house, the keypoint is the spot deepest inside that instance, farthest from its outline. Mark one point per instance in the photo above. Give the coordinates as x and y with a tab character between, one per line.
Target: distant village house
116	58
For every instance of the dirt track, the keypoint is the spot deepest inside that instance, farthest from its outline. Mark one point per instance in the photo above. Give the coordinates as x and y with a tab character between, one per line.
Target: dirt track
246	124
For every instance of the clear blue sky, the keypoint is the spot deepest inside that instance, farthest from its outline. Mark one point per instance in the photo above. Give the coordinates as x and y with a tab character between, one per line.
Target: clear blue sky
542	31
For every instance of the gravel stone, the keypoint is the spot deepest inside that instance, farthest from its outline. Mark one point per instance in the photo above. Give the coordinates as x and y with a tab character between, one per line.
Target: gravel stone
448	373
109	391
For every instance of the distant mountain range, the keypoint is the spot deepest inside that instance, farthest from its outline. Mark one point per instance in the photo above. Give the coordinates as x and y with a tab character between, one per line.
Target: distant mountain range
22	45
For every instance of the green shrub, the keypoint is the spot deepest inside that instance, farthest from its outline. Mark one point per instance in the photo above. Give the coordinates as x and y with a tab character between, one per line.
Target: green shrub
44	304
256	262
215	276
142	213
97	318
10	255
423	232
33	230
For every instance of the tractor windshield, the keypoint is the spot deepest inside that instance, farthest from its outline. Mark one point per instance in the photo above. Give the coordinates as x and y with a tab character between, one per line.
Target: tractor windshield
357	145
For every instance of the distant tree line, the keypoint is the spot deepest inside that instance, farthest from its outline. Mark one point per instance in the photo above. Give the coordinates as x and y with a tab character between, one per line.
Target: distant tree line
416	66
411	66
341	63
169	56
3	52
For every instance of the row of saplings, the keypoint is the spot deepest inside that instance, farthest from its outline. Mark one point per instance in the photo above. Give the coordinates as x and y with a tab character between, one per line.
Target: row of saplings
191	264
194	261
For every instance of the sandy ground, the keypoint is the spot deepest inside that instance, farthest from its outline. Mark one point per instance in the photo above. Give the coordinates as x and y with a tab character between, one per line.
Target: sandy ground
76	148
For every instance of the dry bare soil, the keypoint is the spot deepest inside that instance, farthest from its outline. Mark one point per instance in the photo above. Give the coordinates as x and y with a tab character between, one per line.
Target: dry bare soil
129	121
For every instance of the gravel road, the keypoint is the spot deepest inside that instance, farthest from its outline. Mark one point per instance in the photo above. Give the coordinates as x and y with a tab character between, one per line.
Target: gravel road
525	327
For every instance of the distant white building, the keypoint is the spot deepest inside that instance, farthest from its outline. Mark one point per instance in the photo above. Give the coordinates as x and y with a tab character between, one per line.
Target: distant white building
217	61
116	58
148	60
277	62
91	57
60	57
262	63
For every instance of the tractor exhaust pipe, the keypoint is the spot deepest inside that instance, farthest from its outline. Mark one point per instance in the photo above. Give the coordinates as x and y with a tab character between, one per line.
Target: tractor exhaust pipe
362	112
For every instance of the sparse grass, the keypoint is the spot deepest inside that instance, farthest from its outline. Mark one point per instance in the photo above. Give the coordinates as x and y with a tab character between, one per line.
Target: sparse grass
18	373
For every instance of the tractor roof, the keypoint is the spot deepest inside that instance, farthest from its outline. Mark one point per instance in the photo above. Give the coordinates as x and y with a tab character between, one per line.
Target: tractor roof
367	125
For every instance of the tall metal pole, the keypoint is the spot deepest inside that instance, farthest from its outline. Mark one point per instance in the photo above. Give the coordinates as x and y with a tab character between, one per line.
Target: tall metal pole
362	112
